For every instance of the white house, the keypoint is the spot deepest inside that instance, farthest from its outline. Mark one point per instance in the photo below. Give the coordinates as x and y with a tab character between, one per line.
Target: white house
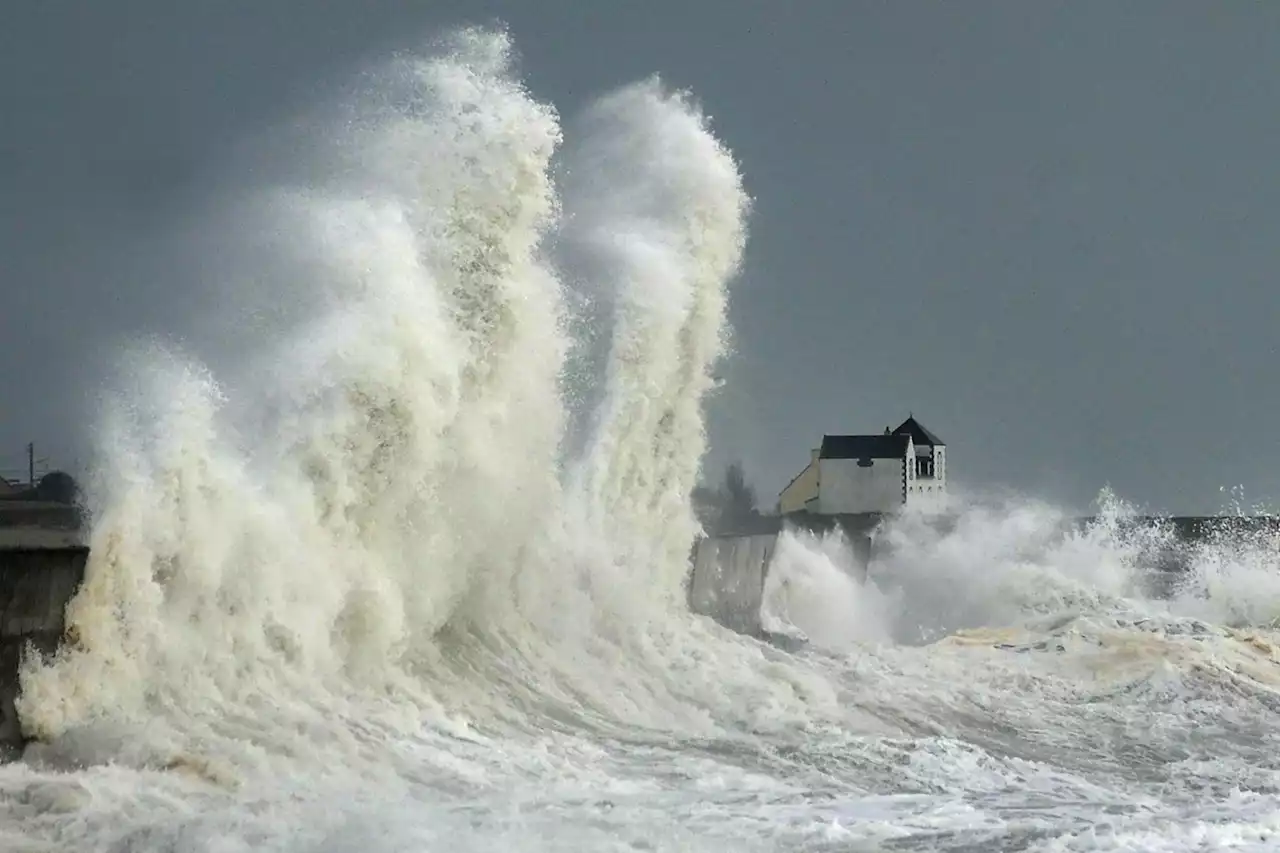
869	473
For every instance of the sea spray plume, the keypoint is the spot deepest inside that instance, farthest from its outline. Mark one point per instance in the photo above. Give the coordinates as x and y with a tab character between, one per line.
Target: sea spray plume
654	215
388	521
658	206
1231	576
813	589
654	222
976	562
468	160
412	445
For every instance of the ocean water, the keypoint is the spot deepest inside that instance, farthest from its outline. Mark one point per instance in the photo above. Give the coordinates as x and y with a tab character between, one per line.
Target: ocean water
406	574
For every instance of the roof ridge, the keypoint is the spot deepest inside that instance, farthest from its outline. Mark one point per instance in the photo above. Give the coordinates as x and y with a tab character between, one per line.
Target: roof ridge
918	431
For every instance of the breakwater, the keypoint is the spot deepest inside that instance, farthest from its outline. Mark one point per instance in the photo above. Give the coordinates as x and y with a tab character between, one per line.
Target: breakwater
730	567
40	570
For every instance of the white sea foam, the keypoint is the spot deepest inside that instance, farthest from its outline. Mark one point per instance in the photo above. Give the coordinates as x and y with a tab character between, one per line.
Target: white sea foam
814	588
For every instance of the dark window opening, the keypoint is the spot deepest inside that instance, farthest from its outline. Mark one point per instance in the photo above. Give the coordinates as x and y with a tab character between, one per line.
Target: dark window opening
924	467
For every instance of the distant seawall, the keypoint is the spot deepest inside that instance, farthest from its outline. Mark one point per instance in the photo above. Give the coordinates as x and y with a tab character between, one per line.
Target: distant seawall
730	568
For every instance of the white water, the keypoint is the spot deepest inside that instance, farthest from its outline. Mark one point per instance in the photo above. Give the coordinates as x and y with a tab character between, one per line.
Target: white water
409	576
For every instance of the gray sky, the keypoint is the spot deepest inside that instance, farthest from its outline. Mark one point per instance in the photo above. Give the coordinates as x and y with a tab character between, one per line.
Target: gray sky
1047	228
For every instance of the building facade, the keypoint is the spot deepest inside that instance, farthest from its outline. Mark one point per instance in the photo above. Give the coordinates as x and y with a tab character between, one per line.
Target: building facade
851	474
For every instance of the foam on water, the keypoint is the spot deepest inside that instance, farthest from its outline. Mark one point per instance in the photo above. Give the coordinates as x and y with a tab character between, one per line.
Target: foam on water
406	573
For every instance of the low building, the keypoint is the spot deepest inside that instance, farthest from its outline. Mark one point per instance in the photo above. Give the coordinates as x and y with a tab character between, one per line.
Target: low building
854	474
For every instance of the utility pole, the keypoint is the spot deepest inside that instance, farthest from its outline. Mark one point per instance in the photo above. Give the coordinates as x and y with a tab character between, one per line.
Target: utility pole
31	464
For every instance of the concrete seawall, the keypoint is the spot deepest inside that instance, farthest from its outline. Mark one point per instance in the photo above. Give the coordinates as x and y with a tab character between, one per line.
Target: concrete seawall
728	577
40	570
729	570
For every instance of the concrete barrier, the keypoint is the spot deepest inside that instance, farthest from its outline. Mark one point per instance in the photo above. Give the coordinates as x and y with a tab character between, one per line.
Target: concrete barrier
40	570
728	579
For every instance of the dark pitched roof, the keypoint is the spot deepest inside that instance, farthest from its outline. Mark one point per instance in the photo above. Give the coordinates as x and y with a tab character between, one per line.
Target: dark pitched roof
863	447
918	433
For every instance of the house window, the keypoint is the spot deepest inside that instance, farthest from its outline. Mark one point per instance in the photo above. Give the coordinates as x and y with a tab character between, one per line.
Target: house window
924	467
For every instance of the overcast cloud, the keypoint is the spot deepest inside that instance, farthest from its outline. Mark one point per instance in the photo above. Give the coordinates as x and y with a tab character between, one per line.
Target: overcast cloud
1048	229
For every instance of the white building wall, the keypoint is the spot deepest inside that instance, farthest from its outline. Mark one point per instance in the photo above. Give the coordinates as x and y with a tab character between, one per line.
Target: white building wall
843	486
